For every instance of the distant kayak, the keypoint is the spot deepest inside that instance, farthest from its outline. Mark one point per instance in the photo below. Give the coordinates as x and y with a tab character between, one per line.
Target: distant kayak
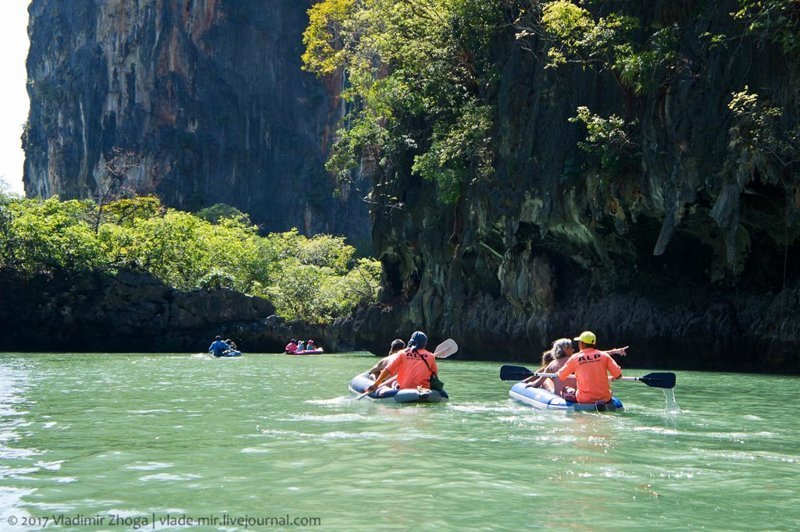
541	399
230	353
361	382
316	351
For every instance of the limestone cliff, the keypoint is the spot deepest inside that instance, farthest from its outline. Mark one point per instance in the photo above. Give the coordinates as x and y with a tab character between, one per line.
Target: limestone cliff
690	254
205	96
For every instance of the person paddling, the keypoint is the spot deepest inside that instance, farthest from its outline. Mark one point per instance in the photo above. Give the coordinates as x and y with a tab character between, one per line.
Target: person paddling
394	349
591	367
218	347
413	366
291	347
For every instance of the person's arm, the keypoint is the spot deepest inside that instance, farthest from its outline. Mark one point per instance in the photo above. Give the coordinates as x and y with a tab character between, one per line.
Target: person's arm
568	368
382	377
535	383
614	369
618	351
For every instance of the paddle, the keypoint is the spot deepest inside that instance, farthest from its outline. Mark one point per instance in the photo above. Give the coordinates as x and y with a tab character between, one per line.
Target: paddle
443	350
446	348
655	380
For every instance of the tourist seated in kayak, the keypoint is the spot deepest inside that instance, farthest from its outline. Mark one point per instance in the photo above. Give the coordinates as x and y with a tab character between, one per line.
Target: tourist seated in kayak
231	344
413	366
397	346
311	346
591	368
291	347
218	347
557	355
301	346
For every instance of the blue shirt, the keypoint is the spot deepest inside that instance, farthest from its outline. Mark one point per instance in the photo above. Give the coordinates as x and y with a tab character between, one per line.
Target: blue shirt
218	348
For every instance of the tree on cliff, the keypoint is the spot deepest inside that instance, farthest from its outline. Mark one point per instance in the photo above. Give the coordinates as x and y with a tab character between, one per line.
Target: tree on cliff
111	184
418	75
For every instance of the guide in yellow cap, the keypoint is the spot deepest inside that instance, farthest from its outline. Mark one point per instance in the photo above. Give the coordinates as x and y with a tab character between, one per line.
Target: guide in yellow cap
587	337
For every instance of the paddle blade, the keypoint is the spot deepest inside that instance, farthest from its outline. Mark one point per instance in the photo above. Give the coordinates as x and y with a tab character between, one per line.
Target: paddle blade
514	373
446	348
659	380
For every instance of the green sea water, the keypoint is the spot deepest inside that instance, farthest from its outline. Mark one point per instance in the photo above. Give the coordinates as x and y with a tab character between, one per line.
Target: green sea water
170	441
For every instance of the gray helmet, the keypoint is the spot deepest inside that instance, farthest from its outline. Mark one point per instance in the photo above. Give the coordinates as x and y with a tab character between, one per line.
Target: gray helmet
418	340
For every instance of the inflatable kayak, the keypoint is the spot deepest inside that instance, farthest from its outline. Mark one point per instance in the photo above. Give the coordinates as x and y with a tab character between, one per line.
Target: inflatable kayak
361	382
541	399
229	353
316	351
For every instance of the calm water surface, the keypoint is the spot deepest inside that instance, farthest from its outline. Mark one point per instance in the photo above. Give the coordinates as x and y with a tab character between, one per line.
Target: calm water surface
143	438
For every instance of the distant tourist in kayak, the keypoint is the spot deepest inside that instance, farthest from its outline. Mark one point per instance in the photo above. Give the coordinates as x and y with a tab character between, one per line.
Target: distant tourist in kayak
218	347
413	366
291	347
397	346
591	368
557	355
301	346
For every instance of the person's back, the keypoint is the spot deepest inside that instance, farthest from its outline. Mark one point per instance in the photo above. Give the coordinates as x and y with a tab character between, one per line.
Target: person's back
559	384
291	347
413	368
218	347
552	360
591	368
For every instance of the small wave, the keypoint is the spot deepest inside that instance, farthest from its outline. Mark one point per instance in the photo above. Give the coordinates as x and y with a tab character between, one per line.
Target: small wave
149	466
336	401
166	477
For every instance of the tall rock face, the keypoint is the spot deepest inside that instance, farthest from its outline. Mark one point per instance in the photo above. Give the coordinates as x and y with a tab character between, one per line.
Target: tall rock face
691	255
205	99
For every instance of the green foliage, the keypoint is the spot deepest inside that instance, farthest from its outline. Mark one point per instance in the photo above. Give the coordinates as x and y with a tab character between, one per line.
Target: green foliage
457	151
641	70
758	128
49	234
776	21
325	36
417	74
607	141
573	35
218	211
315	279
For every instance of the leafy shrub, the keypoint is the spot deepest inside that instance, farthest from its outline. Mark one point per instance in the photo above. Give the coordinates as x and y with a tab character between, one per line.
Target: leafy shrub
316	279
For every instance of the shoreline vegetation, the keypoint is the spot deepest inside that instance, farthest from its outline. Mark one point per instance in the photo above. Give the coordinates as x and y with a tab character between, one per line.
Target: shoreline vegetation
315	279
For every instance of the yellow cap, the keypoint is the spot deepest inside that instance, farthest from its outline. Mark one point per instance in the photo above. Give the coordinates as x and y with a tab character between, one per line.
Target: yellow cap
587	337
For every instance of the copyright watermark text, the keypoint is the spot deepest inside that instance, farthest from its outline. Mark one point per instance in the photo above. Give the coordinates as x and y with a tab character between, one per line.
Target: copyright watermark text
154	521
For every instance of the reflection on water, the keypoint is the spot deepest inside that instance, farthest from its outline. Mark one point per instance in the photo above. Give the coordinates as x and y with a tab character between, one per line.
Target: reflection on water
140	435
15	462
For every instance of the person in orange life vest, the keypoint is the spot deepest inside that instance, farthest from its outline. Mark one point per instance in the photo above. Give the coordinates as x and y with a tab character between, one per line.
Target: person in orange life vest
558	355
397	346
591	367
413	366
291	347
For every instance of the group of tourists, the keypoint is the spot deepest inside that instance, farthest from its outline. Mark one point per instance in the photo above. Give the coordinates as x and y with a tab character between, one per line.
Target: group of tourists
411	366
590	366
580	377
299	346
